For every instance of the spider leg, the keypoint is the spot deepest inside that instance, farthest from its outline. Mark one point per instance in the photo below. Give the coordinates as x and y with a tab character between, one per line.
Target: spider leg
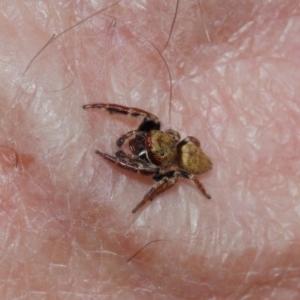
162	185
177	172
130	164
199	186
133	133
195	179
123	156
189	139
150	122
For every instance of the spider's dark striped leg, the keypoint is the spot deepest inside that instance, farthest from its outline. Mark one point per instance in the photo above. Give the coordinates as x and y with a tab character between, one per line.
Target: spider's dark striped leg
150	122
165	182
130	157
132	165
133	133
175	171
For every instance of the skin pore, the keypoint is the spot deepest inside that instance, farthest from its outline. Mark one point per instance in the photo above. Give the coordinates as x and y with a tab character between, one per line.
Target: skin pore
65	214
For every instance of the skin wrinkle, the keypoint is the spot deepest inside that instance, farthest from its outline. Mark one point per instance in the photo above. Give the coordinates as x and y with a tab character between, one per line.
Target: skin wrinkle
64	206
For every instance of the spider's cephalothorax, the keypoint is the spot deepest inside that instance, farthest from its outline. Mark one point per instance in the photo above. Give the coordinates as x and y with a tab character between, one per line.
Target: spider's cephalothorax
156	153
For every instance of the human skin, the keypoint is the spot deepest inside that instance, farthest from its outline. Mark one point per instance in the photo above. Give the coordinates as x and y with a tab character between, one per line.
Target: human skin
66	225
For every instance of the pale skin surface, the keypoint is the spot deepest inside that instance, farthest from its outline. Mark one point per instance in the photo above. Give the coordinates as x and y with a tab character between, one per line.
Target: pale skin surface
65	214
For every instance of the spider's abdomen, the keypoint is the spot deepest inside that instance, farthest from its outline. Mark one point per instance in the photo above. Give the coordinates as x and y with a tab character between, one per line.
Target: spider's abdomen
193	160
161	148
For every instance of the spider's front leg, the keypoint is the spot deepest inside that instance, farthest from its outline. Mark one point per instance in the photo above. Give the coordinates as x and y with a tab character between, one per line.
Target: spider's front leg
150	122
131	164
165	182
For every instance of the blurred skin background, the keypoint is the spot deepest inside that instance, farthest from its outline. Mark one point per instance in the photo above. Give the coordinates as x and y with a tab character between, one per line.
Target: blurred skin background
65	214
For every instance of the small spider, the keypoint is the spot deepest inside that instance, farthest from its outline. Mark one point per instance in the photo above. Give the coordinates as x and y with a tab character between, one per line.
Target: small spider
156	153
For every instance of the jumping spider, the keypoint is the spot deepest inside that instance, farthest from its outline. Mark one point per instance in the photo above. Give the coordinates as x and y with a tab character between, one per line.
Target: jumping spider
156	153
